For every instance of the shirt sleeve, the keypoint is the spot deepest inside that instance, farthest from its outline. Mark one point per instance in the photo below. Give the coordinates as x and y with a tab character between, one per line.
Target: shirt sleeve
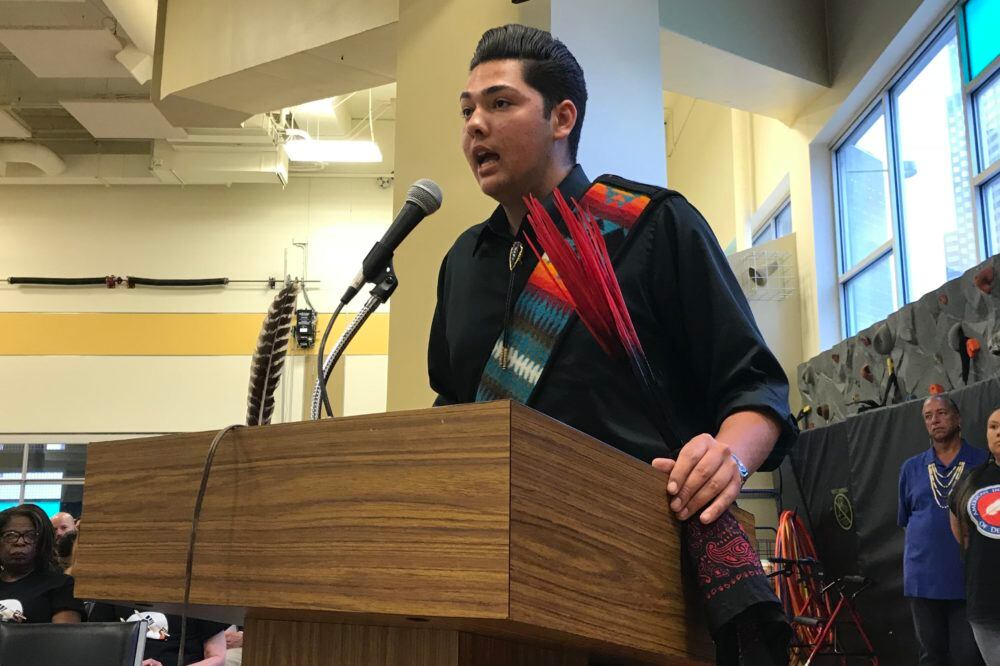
732	364
102	612
438	357
903	510
62	599
205	629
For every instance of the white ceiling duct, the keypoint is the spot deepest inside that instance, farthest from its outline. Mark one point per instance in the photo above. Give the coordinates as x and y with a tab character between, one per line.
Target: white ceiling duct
31	153
138	17
139	64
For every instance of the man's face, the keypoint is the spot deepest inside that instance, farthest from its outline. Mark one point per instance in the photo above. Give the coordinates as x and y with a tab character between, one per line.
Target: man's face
941	419
63	524
507	140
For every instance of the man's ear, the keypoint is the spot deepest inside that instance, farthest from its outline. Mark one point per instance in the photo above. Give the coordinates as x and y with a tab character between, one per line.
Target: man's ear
563	119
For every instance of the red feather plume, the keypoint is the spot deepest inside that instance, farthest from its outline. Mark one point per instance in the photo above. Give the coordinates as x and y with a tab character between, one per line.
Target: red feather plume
581	270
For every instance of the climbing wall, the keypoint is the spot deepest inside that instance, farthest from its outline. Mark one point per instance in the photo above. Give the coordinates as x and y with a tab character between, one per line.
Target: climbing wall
948	339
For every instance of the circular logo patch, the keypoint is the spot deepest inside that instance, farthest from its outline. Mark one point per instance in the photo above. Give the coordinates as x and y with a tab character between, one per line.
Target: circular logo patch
984	510
843	511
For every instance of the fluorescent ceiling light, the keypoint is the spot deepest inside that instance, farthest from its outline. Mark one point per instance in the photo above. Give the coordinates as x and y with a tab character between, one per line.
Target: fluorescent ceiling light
328	150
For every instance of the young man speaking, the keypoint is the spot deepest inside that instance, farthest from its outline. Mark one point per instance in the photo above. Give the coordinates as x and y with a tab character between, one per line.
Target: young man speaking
496	334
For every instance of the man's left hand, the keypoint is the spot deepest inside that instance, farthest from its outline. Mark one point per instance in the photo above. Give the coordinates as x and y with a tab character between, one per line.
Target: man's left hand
704	475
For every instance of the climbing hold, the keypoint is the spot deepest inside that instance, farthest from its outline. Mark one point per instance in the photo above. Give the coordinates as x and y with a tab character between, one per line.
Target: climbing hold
883	340
984	280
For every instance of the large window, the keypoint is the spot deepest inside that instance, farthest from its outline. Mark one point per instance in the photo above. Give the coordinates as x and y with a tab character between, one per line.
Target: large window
49	475
916	202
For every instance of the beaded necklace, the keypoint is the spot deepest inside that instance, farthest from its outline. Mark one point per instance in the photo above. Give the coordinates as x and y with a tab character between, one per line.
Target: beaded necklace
943	484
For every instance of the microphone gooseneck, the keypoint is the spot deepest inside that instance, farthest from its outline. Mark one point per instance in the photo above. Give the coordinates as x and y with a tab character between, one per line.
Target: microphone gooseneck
422	199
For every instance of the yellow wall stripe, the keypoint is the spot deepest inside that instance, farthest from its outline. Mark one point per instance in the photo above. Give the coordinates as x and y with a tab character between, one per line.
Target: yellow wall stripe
162	334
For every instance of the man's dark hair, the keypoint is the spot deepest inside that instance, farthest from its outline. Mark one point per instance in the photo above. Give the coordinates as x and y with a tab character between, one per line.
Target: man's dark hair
547	66
45	547
65	545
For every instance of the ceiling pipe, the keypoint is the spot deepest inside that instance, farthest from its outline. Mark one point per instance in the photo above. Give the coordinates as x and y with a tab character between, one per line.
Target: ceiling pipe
31	153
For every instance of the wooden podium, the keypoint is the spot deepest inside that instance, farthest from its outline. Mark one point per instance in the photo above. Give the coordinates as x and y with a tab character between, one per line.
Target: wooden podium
476	535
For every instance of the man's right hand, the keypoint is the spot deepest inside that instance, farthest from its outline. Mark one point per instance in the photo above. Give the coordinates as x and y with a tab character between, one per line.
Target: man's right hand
151	662
234	639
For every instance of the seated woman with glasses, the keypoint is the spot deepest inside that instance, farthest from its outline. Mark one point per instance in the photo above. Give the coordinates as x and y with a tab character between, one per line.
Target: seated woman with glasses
32	587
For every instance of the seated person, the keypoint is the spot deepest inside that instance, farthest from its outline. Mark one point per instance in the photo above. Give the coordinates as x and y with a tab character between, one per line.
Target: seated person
64	523
66	552
32	587
234	646
204	641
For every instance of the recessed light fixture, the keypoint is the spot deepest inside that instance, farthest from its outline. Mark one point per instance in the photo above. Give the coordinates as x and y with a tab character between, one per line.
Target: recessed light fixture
332	150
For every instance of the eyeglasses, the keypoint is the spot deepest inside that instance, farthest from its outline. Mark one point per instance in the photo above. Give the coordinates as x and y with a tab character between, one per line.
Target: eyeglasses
12	536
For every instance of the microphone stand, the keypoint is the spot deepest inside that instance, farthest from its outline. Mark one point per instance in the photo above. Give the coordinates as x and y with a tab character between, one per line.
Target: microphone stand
379	294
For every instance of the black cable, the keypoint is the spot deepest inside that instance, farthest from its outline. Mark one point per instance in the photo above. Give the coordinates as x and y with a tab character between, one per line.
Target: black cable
155	282
58	281
320	374
189	565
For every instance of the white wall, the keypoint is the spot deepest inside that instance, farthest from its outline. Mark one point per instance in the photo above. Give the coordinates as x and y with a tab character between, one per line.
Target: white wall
241	232
624	59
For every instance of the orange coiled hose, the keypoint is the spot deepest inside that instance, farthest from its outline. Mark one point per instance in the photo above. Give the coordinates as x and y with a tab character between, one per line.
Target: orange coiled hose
800	591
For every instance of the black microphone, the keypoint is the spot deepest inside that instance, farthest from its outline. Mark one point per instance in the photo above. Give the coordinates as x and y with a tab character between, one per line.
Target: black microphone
422	199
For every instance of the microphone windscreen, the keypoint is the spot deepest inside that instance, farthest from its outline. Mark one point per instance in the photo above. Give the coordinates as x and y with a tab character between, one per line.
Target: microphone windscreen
425	194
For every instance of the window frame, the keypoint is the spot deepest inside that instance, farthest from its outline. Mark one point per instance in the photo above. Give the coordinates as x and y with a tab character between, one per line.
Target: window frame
884	102
766	215
24	480
770	223
67	439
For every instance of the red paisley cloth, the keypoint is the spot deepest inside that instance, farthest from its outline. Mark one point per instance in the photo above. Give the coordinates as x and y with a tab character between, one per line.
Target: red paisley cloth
744	616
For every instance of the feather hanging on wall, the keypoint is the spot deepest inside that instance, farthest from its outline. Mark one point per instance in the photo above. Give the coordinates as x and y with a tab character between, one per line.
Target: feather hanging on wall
269	357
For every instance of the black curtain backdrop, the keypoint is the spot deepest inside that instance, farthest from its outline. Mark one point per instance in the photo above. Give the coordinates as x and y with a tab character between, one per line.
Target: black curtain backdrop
879	442
822	469
863	455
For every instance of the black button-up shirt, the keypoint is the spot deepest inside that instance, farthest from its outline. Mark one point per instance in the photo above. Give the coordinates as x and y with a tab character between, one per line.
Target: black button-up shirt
691	316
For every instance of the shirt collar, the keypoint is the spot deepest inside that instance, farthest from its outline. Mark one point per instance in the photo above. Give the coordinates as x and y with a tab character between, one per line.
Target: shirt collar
573	186
961	456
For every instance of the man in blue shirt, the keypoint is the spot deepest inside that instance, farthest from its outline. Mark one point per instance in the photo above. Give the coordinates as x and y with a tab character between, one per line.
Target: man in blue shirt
933	576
